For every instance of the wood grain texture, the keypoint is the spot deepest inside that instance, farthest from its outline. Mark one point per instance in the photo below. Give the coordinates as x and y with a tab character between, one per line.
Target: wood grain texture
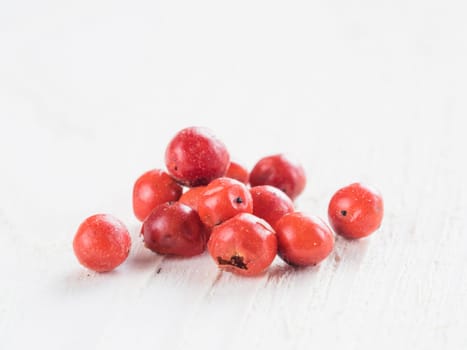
91	93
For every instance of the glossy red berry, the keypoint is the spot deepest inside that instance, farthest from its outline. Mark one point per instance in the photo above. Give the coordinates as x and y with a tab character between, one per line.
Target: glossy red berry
195	157
281	172
101	243
244	244
303	240
174	228
151	189
238	172
222	199
356	211
192	197
270	203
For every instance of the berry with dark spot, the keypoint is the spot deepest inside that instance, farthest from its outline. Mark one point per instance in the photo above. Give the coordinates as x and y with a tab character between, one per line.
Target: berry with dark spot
245	245
356	211
222	199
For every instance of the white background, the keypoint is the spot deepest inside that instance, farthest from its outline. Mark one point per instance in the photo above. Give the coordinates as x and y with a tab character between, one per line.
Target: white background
92	91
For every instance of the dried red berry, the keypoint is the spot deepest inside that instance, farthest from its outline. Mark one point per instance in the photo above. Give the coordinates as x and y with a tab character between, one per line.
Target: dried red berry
151	189
195	157
101	243
244	244
270	203
192	197
174	228
238	172
356	211
281	172
303	240
222	199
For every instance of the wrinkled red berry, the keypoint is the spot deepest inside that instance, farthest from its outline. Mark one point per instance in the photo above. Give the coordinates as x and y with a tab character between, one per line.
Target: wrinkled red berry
222	199
101	243
356	211
303	240
270	203
151	189
195	157
238	172
244	244
174	228
279	171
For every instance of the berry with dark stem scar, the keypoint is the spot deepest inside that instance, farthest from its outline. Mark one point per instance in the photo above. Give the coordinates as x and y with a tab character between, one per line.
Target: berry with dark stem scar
245	245
356	211
222	199
234	260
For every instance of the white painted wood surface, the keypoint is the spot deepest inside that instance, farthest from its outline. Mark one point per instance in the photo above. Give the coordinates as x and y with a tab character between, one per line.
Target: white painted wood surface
375	91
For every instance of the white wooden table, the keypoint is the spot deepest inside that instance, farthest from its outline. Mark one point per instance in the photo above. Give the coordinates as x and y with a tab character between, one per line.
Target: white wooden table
92	91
